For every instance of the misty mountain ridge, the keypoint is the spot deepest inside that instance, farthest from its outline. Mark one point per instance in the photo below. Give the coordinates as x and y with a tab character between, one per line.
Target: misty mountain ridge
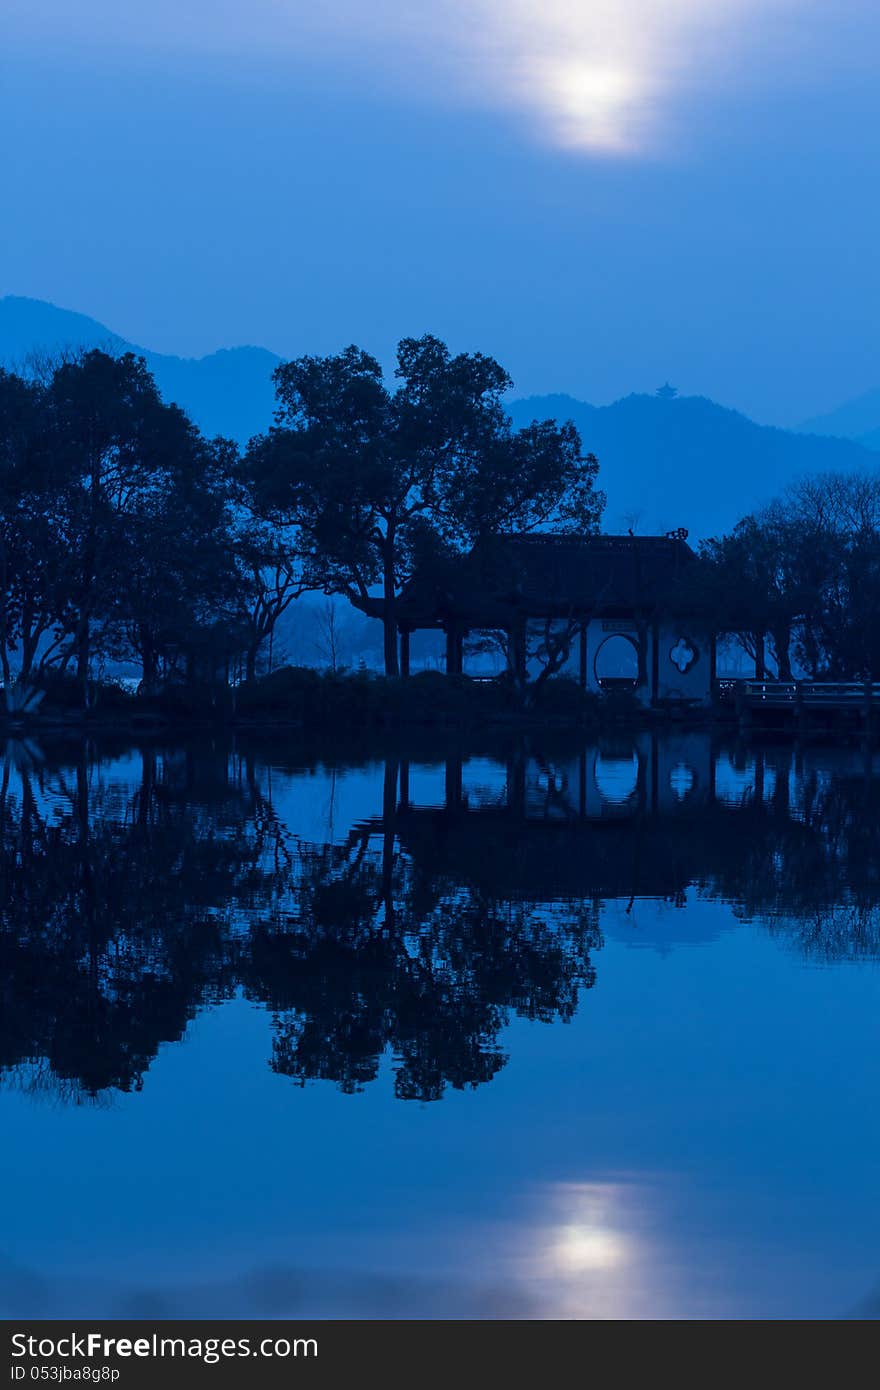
228	392
664	463
857	419
688	461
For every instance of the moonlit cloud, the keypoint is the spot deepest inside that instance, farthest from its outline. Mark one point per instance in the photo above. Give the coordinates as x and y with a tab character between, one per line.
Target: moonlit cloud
603	76
589	104
606	75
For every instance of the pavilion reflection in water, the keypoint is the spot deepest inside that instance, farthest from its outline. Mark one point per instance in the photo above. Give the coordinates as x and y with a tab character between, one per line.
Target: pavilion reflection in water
613	820
454	892
616	780
642	816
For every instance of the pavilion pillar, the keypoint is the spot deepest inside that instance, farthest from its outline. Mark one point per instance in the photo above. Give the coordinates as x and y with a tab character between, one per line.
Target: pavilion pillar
642	654
454	650
655	775
518	651
453	779
404	651
583	655
389	827
655	661
516	784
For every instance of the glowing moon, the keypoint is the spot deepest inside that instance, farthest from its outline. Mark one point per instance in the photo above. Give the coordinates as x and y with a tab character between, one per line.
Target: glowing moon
596	75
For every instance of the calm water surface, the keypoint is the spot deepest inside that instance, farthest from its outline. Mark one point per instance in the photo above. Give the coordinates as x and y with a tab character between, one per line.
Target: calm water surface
477	1031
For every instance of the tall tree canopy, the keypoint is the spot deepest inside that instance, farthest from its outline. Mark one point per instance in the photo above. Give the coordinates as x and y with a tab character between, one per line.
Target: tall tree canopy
117	446
115	525
806	572
31	556
374	477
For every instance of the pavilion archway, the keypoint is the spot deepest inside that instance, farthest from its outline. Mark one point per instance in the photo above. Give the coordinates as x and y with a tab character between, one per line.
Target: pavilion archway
617	664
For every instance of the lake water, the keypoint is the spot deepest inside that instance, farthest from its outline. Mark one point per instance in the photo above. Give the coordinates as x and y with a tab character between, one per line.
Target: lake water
496	1030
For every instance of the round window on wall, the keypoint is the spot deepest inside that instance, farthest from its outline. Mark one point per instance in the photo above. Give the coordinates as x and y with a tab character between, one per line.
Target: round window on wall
617	663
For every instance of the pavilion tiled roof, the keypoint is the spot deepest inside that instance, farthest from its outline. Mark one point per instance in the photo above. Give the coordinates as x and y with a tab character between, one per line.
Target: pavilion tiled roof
539	575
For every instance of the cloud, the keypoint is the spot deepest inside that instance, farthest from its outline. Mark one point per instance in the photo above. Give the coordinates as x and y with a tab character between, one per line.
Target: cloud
605	76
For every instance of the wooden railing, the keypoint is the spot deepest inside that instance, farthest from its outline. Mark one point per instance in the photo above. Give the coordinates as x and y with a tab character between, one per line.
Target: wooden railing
800	694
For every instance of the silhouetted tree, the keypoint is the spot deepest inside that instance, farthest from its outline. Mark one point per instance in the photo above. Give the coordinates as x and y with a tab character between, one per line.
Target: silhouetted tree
364	472
269	580
176	555
120	451
839	515
806	572
753	582
329	639
32	558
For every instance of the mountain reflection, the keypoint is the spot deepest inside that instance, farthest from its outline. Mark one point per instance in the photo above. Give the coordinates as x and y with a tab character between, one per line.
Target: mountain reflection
141	885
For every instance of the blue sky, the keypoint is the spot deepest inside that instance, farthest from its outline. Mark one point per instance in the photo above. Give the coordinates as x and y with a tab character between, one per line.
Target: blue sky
605	194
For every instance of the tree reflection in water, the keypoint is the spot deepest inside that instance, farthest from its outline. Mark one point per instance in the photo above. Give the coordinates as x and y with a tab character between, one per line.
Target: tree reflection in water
138	887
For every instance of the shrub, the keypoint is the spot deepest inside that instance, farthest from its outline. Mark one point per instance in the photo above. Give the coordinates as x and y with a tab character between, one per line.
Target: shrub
563	697
61	691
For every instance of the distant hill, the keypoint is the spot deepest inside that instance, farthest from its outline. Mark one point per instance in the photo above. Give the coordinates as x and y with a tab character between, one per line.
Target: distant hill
857	419
228	392
687	461
871	441
663	463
